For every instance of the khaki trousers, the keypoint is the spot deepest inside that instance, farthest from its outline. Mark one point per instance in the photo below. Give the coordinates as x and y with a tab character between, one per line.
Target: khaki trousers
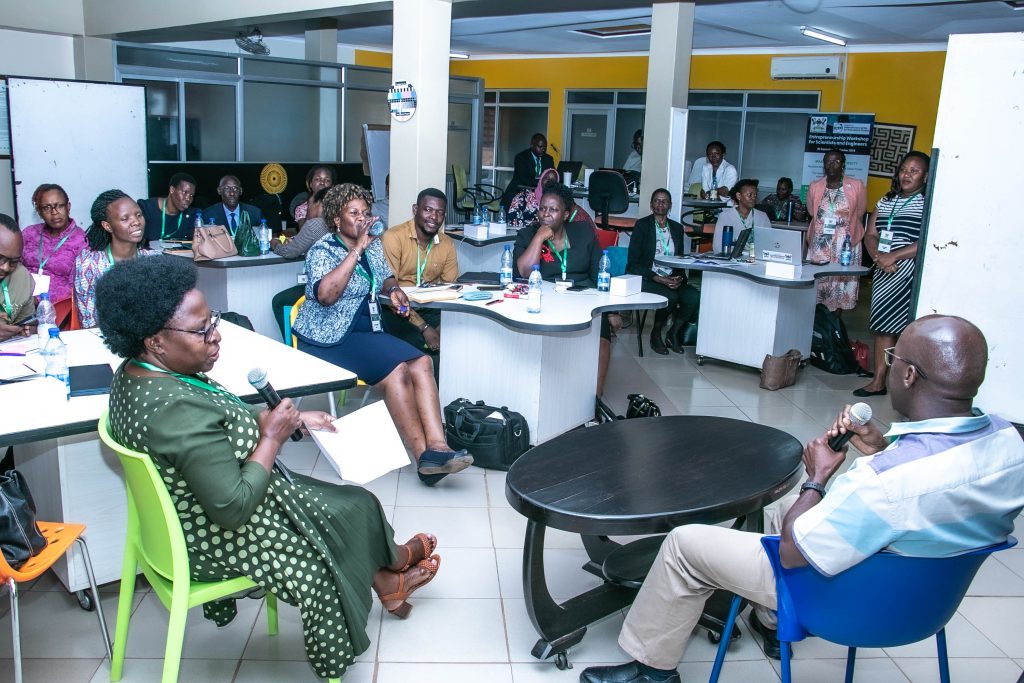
693	561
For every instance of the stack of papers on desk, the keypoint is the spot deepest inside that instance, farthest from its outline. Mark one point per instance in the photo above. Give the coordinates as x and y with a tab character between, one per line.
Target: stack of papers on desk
428	294
14	368
366	445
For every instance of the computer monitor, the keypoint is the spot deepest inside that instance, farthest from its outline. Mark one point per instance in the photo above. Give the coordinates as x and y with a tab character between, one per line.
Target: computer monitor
574	167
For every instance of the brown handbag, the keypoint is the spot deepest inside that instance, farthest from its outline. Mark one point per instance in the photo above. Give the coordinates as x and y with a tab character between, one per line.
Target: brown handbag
778	372
212	242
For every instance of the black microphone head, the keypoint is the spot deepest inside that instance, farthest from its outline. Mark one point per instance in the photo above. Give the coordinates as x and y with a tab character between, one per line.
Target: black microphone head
258	378
860	413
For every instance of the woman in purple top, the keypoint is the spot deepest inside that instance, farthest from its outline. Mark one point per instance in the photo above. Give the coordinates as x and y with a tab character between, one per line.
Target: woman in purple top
52	246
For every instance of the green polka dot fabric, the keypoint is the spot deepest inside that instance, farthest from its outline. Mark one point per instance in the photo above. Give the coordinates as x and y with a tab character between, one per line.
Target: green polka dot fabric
312	544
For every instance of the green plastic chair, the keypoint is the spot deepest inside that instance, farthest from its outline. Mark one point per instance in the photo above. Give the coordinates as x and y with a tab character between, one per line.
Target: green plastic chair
156	544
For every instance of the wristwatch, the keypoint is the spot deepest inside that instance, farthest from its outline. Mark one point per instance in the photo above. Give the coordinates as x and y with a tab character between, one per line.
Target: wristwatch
813	486
424	326
391	289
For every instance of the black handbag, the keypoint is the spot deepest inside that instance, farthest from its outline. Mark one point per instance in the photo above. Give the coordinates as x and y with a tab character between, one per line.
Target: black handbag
20	538
641	406
495	437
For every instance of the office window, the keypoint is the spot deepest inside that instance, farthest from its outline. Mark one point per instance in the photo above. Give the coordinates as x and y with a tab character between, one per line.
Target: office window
763	131
511	117
600	125
363	106
291	122
162	135
209	122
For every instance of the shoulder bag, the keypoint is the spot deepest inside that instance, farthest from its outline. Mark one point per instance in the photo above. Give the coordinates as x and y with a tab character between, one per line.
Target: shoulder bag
641	406
778	372
246	241
212	242
20	538
495	437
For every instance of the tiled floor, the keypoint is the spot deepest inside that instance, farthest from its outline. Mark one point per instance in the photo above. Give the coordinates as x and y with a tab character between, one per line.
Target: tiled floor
470	624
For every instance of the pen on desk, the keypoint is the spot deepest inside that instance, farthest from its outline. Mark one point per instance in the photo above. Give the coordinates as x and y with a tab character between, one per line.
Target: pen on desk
491	303
6	353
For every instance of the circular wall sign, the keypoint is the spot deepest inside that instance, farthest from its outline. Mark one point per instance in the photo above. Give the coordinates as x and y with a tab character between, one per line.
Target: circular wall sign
402	101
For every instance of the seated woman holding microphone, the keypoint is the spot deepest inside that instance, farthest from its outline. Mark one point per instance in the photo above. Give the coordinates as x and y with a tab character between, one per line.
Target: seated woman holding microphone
315	545
347	275
653	235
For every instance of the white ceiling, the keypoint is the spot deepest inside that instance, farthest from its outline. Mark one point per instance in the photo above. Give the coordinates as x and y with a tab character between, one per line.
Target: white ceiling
529	27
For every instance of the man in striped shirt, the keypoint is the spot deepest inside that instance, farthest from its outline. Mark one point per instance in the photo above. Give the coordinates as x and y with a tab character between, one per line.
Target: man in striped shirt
948	481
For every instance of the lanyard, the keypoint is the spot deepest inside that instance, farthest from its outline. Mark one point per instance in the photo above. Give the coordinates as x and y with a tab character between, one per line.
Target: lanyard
163	222
833	198
563	258
743	221
663	235
7	302
896	206
362	272
188	380
110	257
42	261
421	268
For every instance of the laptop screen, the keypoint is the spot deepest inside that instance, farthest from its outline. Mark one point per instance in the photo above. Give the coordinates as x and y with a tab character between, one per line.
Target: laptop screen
779	245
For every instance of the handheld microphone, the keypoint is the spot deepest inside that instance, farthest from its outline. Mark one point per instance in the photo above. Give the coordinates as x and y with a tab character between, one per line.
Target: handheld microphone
258	379
860	414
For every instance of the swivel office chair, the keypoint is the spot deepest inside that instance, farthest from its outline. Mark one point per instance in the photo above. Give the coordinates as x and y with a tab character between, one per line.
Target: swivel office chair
607	194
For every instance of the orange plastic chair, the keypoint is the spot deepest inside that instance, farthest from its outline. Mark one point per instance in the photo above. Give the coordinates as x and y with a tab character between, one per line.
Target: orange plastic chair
59	537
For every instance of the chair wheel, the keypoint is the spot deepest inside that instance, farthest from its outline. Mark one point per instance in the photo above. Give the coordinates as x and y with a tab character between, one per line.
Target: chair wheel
562	661
714	637
85	600
700	360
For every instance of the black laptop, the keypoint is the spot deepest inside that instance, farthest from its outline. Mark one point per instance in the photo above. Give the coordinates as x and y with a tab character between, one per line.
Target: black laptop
737	248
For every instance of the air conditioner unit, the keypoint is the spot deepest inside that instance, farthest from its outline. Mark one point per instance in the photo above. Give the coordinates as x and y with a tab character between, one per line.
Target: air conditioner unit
804	68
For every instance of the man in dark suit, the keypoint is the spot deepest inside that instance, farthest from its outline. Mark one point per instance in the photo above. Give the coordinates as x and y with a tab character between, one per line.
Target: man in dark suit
231	211
528	166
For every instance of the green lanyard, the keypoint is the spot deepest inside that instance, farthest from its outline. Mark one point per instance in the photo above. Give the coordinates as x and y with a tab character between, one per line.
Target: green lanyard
663	236
421	268
188	380
163	221
833	199
42	261
896	206
743	221
563	258
7	302
372	279
110	257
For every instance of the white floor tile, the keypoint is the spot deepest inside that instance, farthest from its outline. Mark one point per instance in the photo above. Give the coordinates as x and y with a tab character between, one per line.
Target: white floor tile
47	670
691	400
53	624
495	482
963	639
562	567
746	647
454	491
255	671
449	673
509	529
300	456
446	631
288	645
1012	558
149	670
600	644
868	670
756	671
926	670
995	579
1001	620
454	527
465	573
546	672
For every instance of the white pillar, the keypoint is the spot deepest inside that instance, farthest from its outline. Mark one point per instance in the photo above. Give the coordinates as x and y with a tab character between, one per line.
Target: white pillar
94	58
668	84
419	146
322	46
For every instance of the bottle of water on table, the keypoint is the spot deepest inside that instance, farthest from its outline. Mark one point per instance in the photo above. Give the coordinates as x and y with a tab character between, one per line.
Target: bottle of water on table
485	215
505	272
46	319
846	253
534	296
501	216
604	276
264	237
477	216
56	356
199	219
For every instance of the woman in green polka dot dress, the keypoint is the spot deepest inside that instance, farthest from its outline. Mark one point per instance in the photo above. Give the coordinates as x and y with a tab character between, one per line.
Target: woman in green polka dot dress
315	545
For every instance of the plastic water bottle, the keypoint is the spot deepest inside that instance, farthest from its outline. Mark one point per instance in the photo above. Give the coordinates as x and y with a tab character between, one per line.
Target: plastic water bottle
477	216
56	356
485	216
751	249
727	239
501	216
846	253
199	220
264	235
46	318
604	276
505	272
534	297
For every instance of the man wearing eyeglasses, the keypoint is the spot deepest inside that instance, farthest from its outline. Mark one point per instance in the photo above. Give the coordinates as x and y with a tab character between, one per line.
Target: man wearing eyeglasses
17	304
232	212
947	481
420	253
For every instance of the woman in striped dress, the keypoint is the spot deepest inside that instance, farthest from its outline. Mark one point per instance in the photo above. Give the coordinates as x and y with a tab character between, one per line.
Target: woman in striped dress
892	238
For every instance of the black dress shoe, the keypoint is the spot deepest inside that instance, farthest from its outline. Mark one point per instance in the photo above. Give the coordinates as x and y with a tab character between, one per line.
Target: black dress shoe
771	637
623	673
864	392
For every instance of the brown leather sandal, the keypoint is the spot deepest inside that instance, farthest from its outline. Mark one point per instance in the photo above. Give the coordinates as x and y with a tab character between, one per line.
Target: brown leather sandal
431	565
427	541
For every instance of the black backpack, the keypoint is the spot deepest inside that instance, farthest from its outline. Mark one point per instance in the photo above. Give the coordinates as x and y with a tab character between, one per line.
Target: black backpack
830	345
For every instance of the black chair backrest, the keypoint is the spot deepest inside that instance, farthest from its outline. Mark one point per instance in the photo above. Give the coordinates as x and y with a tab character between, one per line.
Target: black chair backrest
607	194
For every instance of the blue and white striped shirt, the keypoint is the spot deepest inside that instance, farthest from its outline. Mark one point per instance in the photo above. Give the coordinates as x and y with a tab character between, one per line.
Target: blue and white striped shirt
943	487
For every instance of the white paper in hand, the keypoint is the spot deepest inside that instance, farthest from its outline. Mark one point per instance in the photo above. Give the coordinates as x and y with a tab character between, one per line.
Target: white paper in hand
366	445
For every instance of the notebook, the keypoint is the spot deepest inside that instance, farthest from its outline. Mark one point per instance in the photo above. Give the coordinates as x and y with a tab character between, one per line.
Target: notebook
87	380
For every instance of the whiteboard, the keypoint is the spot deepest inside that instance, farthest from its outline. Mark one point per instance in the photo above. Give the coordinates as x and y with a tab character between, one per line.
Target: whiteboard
85	137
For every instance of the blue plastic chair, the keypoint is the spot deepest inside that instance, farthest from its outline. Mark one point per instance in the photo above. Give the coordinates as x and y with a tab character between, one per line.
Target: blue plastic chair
885	601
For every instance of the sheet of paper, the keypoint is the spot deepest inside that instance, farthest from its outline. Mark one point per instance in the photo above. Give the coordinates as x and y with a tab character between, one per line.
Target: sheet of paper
366	445
16	367
20	345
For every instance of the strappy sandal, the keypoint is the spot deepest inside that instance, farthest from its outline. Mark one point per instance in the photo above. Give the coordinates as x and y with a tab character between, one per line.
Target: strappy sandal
428	544
431	565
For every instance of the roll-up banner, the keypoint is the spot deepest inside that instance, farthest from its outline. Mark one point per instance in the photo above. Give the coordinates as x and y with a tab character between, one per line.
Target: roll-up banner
850	133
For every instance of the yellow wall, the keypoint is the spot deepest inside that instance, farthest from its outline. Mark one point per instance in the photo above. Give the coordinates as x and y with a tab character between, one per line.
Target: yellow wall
898	87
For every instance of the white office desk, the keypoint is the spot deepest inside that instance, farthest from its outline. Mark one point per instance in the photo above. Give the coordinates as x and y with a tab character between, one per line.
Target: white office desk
745	315
479	255
247	284
543	365
74	478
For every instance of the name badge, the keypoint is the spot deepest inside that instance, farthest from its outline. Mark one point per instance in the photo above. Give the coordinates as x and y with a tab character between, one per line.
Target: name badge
42	284
829	226
885	241
375	323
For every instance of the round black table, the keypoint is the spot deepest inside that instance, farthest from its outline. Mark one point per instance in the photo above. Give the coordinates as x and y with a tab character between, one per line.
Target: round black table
641	476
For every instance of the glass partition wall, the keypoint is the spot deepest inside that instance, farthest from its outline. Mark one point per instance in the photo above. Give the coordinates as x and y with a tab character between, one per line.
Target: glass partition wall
204	106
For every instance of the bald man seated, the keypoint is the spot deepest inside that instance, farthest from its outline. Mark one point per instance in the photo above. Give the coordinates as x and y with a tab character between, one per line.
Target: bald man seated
232	211
947	481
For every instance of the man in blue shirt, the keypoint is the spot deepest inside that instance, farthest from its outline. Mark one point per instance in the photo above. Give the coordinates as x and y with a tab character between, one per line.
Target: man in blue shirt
232	212
948	481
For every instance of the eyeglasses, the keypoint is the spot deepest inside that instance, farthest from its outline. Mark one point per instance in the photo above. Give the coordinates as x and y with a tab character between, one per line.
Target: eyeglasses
9	261
231	189
889	355
52	208
206	331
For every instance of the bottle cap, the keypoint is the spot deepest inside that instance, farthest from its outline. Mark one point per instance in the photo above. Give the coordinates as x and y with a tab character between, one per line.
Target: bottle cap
536	266
54	332
45	295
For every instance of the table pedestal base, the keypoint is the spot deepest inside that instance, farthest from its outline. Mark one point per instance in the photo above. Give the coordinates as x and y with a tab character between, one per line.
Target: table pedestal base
249	291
